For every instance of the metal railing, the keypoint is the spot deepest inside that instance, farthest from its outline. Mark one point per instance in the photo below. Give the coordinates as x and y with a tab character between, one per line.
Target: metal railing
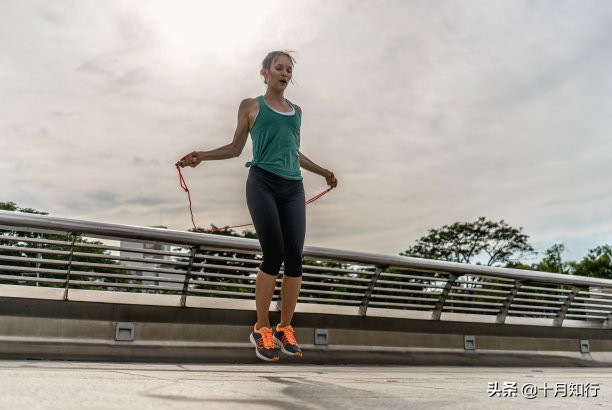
43	251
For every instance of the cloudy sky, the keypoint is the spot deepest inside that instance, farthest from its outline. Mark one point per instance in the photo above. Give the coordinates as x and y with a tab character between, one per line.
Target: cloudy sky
429	112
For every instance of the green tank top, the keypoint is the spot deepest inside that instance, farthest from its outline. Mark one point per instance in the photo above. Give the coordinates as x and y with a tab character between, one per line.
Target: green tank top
276	141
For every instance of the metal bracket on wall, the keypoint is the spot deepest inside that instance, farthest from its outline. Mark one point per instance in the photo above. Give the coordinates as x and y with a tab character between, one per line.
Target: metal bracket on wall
321	337
469	342
584	346
124	332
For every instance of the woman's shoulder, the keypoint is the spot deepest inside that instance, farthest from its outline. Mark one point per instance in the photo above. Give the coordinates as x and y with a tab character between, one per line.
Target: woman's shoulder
250	101
249	104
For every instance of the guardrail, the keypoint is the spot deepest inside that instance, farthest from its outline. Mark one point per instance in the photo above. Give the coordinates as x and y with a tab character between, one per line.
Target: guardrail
38	250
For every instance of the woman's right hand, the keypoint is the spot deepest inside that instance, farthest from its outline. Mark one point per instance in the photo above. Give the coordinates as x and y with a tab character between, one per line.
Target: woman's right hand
331	179
190	160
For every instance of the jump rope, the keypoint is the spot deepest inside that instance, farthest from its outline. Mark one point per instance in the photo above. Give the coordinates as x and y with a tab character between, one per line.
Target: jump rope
195	228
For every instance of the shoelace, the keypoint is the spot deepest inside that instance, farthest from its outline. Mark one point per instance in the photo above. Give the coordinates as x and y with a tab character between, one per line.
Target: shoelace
288	336
266	337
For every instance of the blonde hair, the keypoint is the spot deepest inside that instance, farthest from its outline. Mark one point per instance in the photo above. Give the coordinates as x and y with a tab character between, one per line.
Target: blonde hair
267	62
273	55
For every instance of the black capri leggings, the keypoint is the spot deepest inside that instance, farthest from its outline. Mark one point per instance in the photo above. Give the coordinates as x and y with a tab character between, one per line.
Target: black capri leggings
279	214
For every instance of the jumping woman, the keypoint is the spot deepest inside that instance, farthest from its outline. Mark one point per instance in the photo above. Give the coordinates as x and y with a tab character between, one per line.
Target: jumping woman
275	198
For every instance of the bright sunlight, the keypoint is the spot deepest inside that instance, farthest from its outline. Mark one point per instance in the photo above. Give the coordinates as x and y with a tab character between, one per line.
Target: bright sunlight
193	26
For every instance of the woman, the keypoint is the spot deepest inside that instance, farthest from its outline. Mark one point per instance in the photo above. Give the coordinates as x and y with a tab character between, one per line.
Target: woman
275	198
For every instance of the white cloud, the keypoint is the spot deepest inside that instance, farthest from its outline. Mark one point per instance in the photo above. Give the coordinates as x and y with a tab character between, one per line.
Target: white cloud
428	112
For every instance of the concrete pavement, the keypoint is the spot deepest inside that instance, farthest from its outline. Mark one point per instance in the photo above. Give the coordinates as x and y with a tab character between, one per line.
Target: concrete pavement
94	385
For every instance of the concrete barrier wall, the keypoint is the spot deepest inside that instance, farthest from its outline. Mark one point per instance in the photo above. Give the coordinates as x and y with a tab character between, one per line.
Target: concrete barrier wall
39	326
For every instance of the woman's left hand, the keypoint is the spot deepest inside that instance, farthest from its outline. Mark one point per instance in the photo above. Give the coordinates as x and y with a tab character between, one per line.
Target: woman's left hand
190	160
331	180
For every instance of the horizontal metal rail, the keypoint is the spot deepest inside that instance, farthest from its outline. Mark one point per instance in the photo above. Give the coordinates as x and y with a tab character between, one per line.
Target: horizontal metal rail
44	251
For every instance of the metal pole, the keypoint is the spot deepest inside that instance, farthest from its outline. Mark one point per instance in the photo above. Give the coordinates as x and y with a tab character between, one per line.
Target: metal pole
558	321
501	316
67	283
437	312
193	252
363	308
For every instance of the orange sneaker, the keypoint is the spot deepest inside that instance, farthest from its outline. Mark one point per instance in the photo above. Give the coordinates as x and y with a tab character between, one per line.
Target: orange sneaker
285	339
264	344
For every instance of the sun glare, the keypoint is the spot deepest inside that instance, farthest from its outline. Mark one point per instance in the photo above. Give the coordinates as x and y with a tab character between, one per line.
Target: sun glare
191	26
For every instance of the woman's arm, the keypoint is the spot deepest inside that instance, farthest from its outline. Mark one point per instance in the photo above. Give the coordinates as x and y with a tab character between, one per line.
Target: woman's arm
308	165
231	150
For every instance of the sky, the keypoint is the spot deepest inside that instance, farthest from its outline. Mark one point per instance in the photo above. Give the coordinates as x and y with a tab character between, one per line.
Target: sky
428	112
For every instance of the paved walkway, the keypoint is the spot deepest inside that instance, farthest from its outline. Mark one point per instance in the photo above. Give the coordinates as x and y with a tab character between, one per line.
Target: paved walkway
78	385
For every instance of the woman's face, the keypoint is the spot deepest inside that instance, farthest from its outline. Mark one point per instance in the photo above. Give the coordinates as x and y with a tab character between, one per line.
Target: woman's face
280	72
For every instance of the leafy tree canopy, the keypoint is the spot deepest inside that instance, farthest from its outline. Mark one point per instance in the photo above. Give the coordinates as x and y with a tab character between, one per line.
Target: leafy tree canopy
466	242
228	232
12	206
551	261
597	264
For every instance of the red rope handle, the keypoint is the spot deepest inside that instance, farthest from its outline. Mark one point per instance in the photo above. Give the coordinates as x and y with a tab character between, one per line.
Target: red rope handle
183	184
186	189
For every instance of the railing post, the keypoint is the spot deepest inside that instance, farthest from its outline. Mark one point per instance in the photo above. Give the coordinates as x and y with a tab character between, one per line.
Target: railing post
194	250
437	312
558	321
607	323
501	316
67	283
363	308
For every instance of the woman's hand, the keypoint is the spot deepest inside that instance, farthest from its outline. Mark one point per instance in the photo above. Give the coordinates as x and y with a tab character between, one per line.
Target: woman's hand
190	160
331	179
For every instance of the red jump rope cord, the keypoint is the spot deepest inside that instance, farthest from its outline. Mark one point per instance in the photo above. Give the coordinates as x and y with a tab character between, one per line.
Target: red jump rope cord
186	189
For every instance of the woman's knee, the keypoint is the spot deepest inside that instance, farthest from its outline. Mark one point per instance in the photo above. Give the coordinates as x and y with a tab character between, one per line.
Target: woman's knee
271	266
293	266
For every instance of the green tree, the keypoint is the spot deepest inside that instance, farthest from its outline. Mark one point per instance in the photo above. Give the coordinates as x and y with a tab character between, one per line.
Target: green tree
12	206
44	252
226	231
552	261
225	262
465	242
597	263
